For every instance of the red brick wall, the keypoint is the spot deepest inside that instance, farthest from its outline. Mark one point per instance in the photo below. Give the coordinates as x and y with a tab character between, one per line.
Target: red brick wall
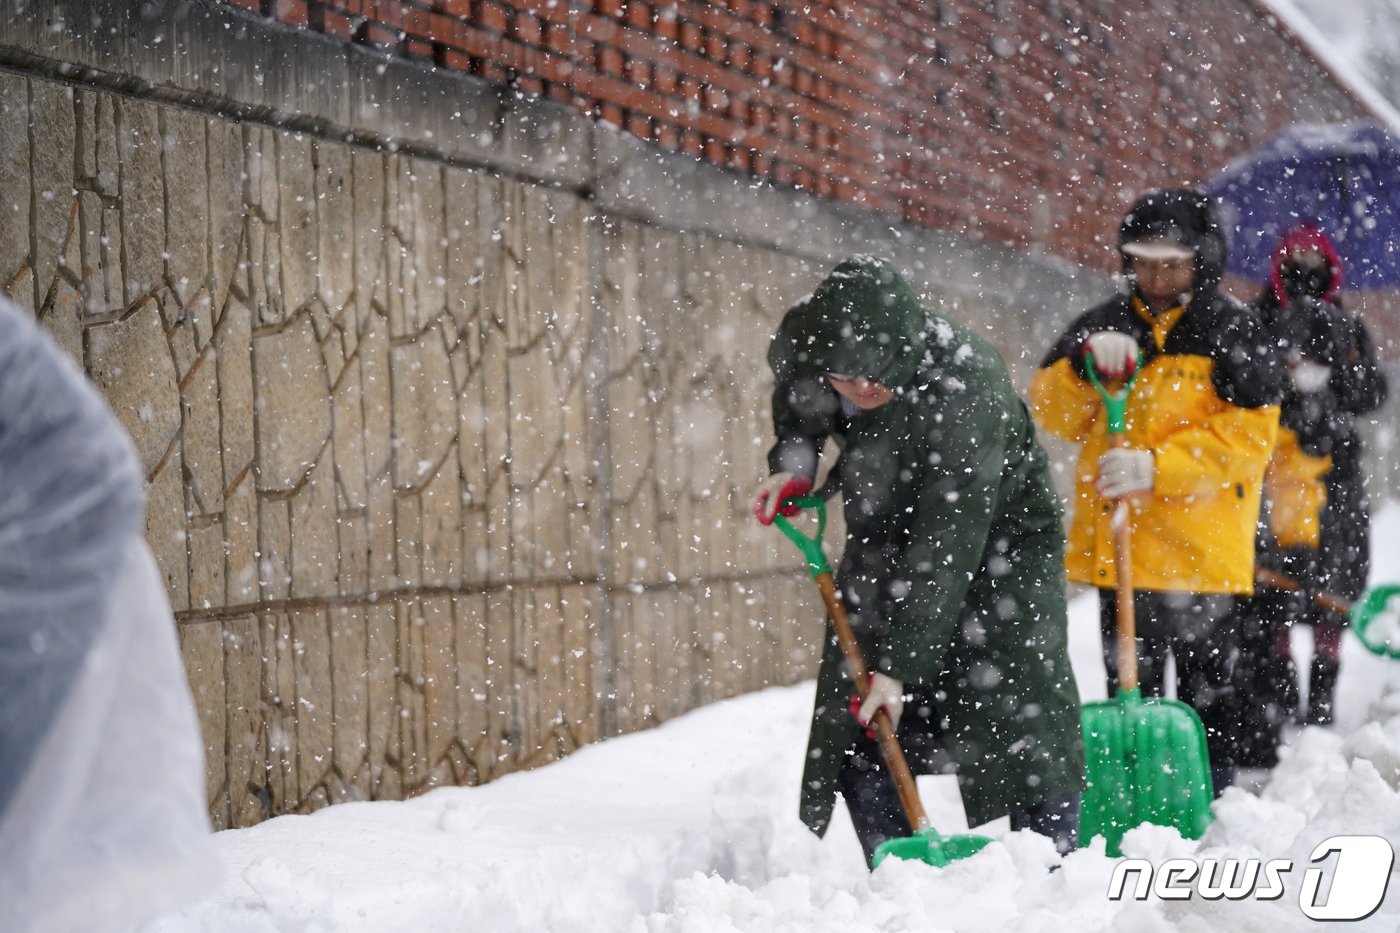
1024	123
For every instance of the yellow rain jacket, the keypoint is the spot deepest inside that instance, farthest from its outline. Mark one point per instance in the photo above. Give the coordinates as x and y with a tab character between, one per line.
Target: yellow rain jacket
1296	493
1206	405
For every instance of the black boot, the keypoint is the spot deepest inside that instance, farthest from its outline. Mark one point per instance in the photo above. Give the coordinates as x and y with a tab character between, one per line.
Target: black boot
1058	819
870	795
1222	776
1322	684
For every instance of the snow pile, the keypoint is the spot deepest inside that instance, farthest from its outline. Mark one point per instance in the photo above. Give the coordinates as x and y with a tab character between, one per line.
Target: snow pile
693	828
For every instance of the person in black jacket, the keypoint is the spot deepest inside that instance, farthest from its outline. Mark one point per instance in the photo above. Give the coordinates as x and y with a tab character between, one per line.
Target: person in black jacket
1315	530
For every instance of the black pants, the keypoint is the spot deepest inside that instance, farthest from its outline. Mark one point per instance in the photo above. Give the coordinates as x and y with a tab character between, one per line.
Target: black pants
878	816
1265	678
1198	631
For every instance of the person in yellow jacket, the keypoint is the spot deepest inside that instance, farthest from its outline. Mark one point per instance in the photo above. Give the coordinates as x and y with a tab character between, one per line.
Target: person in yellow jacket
1202	419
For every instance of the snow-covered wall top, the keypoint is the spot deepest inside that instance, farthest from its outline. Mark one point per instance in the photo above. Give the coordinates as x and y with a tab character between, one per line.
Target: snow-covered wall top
1021	124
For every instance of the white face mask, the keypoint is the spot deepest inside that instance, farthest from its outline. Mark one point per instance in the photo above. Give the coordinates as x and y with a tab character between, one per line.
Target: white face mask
1310	377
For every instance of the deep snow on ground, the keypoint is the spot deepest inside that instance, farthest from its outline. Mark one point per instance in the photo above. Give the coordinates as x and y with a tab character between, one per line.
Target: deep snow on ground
692	828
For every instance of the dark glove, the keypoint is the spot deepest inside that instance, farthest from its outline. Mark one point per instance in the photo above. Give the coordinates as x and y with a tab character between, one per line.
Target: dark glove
1316	418
1301	564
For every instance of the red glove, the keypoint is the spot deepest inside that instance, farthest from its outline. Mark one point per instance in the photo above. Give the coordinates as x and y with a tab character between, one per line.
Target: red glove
769	498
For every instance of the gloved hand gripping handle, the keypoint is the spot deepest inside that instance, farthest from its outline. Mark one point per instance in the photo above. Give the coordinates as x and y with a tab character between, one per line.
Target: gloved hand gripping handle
811	548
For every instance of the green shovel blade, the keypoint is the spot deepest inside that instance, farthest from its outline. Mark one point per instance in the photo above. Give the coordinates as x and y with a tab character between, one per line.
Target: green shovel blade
1146	762
931	847
1370	607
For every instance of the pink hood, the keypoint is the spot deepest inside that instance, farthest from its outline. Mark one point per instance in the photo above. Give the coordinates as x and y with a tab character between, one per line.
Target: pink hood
1298	239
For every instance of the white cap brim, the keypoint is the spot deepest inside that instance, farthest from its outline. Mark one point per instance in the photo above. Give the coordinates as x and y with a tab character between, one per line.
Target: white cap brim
1158	248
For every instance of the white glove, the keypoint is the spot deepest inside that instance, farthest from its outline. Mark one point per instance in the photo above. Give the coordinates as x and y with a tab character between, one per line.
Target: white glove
1309	376
1115	354
884	691
768	497
1124	471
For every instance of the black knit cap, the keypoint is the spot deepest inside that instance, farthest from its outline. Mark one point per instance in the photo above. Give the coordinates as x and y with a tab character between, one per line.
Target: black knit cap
1181	215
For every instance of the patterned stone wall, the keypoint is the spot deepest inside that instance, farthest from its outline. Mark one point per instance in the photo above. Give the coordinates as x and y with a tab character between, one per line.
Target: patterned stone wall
447	473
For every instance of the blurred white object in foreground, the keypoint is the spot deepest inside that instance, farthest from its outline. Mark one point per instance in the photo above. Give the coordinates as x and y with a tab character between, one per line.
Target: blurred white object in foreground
102	813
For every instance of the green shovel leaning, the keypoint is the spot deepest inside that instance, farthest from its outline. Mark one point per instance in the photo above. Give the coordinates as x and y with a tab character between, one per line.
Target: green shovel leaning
1145	759
1375	620
927	844
1375	617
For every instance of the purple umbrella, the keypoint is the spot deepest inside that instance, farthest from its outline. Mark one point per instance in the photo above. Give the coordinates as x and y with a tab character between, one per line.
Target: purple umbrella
1343	178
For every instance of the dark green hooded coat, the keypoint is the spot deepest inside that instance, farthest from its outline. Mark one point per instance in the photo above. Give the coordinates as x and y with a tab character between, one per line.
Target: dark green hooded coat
953	570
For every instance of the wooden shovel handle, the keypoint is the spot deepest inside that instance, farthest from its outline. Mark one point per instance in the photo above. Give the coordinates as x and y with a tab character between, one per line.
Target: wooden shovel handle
1123	595
1278	581
884	730
1115	403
